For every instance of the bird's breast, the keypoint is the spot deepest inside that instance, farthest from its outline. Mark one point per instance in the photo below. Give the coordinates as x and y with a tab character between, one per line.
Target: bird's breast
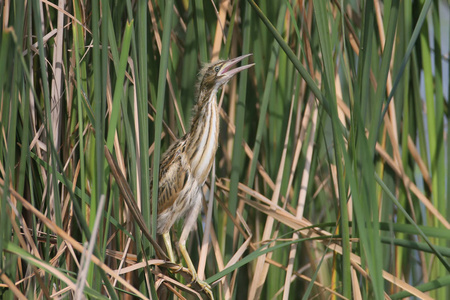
204	139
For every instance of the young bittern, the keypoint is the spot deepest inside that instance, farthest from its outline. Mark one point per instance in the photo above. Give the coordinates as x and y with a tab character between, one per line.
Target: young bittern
186	164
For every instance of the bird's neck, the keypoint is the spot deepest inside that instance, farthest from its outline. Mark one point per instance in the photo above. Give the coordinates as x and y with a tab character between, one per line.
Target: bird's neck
203	138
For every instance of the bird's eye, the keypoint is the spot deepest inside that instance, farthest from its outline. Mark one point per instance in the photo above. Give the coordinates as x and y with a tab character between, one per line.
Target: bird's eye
216	69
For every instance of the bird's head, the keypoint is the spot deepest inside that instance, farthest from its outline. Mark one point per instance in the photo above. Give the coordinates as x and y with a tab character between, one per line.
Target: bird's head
215	75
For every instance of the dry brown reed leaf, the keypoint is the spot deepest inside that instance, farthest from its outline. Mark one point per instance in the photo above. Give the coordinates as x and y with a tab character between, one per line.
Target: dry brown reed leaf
407	182
8	283
71	17
304	227
75	244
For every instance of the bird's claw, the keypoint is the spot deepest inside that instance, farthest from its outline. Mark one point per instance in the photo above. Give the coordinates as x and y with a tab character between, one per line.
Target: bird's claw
180	268
176	268
204	285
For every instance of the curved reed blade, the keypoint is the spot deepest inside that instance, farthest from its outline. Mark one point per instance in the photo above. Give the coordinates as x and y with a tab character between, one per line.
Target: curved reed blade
127	195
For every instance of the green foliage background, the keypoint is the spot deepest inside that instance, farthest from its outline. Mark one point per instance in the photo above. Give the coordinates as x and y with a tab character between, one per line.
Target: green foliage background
332	175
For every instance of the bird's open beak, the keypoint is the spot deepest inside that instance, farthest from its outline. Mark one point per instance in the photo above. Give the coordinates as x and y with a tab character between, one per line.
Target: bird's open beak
227	67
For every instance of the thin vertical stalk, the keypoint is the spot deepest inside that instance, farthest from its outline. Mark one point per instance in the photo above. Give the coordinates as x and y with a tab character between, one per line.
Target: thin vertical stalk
237	149
160	105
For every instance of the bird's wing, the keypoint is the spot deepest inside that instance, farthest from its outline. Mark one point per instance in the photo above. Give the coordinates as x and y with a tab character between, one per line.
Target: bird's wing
172	178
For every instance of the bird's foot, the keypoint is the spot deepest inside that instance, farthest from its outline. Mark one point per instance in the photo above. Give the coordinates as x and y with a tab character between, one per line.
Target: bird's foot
176	268
203	284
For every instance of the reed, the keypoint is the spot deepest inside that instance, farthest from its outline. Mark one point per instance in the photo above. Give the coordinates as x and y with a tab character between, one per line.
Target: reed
331	173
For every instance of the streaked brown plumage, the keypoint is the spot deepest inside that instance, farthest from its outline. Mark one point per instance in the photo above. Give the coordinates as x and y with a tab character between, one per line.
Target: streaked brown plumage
186	164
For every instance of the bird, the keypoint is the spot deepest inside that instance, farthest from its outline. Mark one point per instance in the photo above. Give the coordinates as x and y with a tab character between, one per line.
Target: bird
185	165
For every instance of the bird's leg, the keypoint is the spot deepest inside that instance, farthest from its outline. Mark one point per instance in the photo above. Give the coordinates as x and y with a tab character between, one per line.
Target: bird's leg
187	258
168	243
189	223
205	286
